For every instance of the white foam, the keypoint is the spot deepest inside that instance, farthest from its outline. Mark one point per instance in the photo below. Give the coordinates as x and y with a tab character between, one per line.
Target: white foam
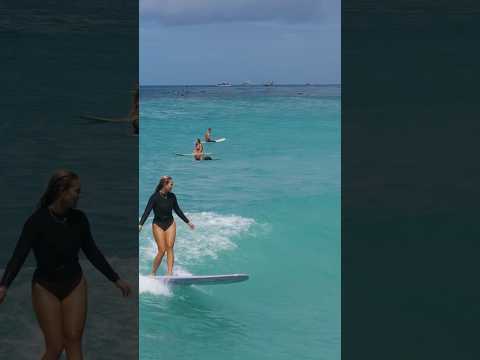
150	285
213	235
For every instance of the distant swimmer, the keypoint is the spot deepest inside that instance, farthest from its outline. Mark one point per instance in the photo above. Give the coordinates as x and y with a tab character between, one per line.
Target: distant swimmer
198	153
208	135
164	229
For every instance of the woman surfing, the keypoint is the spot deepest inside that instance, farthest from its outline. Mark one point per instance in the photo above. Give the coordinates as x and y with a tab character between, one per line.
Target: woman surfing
164	228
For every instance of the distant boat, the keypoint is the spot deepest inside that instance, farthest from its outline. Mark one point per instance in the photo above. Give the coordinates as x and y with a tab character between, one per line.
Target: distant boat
247	83
224	84
268	83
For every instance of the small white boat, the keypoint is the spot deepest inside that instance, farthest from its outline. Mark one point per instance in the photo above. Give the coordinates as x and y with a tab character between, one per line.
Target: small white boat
224	84
268	83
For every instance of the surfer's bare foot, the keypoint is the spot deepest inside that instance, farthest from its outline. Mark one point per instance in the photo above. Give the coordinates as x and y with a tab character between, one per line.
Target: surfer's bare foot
152	274
169	273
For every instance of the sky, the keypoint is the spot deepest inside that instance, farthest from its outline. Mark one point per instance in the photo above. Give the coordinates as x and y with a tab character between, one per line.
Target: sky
205	42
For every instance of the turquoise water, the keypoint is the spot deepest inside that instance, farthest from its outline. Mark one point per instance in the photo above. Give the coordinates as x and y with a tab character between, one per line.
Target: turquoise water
270	207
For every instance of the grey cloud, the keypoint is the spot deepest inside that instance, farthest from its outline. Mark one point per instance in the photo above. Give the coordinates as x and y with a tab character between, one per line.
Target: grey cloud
192	12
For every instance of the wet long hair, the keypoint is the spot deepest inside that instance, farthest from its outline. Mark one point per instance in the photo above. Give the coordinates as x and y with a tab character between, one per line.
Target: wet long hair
163	180
60	181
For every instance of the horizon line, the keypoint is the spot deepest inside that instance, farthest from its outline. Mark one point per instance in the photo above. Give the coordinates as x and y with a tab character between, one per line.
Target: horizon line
247	85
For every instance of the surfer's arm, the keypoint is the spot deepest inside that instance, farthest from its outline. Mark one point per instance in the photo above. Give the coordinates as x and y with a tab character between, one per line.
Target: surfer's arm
179	211
148	209
93	254
20	254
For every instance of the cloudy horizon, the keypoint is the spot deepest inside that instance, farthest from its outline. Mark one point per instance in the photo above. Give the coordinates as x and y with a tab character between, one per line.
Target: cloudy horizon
209	41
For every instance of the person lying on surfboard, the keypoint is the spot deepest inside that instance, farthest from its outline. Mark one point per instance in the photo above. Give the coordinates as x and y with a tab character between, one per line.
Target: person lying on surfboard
198	153
164	229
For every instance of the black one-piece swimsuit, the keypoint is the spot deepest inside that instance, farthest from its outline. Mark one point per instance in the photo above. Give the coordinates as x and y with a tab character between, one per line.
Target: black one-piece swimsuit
56	245
162	206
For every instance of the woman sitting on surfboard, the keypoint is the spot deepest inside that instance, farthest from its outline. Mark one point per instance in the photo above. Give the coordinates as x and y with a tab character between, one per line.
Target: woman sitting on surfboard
198	151
209	139
208	135
164	229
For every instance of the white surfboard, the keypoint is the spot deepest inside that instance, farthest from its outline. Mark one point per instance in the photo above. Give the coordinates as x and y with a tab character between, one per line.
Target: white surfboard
191	154
203	280
214	141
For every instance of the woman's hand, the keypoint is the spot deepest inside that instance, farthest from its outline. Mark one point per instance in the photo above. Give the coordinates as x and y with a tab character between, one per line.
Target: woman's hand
3	293
124	287
139	228
191	225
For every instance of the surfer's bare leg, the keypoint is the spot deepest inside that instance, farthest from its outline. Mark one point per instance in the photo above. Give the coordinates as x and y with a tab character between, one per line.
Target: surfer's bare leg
170	233
160	239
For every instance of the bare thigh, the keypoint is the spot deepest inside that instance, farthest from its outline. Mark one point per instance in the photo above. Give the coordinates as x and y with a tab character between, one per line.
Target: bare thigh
48	310
160	238
74	308
170	235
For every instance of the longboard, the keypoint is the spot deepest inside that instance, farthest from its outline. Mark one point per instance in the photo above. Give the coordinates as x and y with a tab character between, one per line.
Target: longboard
203	280
191	154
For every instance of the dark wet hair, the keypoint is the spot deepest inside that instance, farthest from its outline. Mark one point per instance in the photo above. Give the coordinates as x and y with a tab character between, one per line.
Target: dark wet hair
60	181
162	182
198	141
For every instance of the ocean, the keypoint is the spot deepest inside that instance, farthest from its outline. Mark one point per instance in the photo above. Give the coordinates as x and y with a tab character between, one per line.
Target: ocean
269	206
